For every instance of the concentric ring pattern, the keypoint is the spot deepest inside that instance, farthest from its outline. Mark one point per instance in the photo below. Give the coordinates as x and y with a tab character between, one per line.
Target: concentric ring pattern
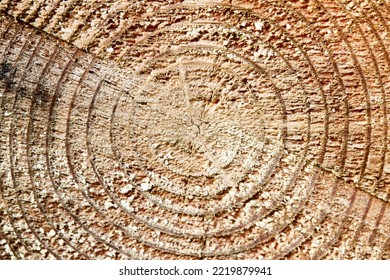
194	129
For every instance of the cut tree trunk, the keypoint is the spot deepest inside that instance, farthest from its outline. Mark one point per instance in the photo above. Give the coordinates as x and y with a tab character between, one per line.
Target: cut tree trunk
194	129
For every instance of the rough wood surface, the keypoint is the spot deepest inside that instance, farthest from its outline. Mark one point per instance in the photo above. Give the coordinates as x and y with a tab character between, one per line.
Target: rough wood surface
194	129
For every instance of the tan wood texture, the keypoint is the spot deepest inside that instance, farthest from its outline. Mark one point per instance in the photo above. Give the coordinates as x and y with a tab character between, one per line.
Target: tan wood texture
194	129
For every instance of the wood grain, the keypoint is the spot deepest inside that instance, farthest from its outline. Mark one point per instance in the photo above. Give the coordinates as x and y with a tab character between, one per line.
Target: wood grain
194	129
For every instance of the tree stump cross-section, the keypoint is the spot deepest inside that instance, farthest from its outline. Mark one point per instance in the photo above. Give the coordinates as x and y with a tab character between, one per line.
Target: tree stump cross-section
194	129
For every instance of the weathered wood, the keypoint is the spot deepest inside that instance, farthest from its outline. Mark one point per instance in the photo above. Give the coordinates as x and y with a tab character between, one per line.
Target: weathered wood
194	129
